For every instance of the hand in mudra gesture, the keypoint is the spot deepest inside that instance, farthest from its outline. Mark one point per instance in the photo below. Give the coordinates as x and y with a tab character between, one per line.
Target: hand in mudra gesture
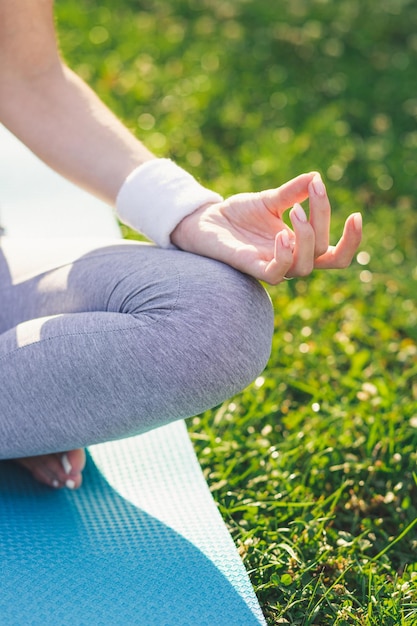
247	231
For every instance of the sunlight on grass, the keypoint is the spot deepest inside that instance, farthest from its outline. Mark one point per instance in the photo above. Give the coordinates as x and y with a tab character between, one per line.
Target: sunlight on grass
313	466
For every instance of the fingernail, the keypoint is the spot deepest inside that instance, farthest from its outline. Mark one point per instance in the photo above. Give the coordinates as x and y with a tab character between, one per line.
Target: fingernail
357	221
70	484
299	212
66	464
55	483
285	240
318	186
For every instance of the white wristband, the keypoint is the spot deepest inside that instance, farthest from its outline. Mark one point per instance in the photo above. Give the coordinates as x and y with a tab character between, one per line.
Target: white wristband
157	195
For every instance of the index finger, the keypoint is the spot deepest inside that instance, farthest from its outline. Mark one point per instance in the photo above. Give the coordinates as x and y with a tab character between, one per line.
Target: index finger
275	270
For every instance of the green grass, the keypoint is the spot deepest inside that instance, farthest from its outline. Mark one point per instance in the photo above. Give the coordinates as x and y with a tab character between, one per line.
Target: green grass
314	465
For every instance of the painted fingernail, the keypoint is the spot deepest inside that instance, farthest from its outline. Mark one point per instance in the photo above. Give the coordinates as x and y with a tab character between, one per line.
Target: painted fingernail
318	186
66	464
357	221
55	483
70	484
285	240
299	213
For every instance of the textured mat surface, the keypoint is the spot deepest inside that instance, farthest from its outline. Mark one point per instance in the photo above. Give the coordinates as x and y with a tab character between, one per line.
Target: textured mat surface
142	542
136	545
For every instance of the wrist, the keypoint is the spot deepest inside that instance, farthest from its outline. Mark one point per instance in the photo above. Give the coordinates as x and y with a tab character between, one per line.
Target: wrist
157	196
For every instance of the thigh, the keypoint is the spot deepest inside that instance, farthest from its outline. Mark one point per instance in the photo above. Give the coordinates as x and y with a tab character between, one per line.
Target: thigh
121	339
44	277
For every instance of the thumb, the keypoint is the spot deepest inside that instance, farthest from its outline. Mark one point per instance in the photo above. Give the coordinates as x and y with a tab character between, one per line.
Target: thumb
284	197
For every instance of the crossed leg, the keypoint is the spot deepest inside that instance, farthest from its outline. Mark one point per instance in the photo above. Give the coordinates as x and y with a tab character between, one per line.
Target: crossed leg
117	341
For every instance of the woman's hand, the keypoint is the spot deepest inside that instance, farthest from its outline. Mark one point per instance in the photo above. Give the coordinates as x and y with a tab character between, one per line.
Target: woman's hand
247	232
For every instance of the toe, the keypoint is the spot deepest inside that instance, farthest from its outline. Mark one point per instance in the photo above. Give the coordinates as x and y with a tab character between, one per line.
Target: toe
57	470
73	462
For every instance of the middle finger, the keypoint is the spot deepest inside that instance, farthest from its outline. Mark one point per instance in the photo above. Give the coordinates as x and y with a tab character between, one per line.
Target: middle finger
319	214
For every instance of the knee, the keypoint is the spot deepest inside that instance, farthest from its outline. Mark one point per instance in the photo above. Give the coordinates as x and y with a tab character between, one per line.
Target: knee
230	320
244	327
203	328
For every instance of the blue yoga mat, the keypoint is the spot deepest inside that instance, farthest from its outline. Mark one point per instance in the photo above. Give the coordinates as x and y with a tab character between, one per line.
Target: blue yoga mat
130	547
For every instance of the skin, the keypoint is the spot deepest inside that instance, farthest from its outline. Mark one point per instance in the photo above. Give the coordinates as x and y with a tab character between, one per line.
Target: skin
80	138
247	231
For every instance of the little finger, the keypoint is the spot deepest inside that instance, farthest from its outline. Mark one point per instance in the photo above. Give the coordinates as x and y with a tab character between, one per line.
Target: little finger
341	255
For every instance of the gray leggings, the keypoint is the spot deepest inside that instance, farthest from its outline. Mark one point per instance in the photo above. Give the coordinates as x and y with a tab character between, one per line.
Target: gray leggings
103	342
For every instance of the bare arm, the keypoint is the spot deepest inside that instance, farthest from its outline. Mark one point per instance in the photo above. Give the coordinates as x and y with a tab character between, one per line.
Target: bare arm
53	111
61	119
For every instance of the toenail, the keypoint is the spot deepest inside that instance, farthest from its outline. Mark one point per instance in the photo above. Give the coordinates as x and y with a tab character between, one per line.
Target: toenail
55	483
66	464
70	484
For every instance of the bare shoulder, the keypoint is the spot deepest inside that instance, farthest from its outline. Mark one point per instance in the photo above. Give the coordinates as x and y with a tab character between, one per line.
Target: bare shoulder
15	9
27	33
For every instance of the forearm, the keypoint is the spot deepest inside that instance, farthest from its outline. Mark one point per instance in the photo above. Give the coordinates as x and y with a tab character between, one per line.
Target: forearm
61	119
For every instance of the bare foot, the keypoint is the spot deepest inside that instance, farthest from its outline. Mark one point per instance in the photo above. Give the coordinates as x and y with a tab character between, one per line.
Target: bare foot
57	470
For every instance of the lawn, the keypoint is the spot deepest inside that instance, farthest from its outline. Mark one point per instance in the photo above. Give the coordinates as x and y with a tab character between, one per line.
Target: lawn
314	465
